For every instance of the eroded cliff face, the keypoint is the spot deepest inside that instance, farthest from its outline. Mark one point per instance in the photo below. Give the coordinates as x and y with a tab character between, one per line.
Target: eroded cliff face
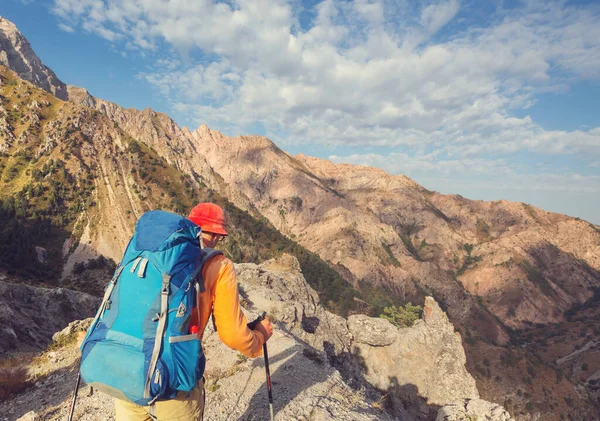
89	169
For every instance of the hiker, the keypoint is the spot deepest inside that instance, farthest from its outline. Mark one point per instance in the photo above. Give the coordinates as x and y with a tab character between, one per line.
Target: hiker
220	298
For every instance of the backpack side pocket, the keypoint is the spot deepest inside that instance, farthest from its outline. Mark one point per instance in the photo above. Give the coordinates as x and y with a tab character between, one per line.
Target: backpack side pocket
187	361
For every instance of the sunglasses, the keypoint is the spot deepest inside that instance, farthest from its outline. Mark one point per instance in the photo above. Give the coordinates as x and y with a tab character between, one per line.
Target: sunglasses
217	237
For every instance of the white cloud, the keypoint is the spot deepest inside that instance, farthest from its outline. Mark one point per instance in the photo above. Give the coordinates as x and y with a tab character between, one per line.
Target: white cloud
475	173
65	28
372	11
435	16
354	76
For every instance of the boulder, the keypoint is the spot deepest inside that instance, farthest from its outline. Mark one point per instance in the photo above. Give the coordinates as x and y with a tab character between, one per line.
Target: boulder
473	409
372	331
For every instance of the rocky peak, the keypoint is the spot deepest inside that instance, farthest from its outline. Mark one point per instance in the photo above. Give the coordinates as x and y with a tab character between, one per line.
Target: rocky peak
81	96
16	54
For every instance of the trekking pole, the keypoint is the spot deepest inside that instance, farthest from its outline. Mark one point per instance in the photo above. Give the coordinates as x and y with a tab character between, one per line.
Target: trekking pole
74	397
252	325
268	381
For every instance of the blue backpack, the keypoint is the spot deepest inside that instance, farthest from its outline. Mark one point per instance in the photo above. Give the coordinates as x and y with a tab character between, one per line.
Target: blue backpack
139	347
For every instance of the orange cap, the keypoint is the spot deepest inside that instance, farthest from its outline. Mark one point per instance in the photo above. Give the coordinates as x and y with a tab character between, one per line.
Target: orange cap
209	217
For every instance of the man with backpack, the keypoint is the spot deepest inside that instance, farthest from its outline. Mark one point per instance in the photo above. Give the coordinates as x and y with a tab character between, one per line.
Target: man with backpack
218	294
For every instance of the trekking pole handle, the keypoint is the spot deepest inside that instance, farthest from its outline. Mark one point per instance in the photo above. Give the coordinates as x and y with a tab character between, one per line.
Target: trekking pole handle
252	325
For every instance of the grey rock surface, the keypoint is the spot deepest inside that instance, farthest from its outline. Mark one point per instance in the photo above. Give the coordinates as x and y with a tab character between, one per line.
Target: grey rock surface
473	409
30	416
29	315
428	356
420	368
42	254
278	287
372	331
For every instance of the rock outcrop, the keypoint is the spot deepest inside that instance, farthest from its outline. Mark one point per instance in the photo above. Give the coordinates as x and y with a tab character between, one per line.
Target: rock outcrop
473	410
421	368
429	355
29	315
16	54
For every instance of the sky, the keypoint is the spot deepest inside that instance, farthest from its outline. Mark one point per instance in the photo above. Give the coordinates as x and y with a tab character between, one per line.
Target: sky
487	99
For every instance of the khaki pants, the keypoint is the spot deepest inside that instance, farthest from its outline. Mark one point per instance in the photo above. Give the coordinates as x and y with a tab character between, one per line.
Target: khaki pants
185	407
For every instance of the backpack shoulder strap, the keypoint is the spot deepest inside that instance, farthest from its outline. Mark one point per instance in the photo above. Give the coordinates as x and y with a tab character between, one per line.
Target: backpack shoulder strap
208	254
205	256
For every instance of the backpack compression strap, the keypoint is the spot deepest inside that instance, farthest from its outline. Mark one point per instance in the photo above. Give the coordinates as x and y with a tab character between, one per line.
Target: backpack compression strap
104	304
160	330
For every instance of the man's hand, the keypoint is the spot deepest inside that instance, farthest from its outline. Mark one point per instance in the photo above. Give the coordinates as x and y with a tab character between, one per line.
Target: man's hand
265	328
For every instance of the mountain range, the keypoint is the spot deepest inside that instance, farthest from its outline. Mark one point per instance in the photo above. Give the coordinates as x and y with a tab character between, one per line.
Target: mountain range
521	285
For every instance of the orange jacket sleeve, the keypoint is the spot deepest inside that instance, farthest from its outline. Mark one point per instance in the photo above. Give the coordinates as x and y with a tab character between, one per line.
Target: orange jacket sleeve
230	320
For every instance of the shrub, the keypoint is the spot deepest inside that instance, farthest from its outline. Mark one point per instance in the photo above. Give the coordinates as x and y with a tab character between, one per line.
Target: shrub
392	259
410	246
402	316
535	276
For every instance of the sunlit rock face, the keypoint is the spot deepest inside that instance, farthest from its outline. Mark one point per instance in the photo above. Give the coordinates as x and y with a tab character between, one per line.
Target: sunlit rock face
16	53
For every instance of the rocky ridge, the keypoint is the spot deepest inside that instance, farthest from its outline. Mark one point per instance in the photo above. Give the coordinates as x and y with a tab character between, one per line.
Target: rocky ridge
318	372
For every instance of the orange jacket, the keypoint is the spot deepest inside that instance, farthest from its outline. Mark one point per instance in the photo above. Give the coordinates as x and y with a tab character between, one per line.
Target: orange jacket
221	297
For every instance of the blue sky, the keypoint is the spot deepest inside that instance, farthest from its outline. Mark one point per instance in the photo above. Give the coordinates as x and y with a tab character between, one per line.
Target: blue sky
491	100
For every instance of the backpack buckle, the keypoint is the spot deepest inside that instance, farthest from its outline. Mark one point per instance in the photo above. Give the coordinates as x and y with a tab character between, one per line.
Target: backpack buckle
166	279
